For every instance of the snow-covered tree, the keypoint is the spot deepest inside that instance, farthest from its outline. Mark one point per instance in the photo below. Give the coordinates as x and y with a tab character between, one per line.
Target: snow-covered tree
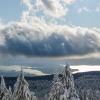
68	82
8	95
63	89
3	89
33	97
21	89
57	89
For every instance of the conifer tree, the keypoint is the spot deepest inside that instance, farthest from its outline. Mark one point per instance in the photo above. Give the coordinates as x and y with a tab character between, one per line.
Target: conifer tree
21	89
8	95
64	89
3	89
57	89
68	82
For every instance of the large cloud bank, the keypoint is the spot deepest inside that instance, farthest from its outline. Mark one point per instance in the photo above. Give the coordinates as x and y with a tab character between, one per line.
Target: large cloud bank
20	39
35	36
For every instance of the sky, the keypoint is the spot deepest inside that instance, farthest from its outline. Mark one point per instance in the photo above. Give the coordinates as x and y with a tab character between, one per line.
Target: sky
80	12
33	31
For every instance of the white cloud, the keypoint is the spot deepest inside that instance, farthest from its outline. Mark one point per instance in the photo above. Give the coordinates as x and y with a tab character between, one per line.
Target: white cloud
1	24
52	8
28	4
46	39
83	9
86	68
69	1
98	8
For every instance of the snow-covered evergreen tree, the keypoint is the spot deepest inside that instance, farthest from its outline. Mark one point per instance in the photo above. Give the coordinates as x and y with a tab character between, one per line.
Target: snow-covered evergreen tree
3	89
64	89
8	95
33	97
21	89
68	82
57	89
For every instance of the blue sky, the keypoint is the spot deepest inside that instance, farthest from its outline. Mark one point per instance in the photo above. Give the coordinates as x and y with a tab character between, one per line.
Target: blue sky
10	10
87	17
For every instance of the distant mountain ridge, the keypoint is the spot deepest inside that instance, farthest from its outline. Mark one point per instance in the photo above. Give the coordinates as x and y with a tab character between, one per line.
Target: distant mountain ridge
85	75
